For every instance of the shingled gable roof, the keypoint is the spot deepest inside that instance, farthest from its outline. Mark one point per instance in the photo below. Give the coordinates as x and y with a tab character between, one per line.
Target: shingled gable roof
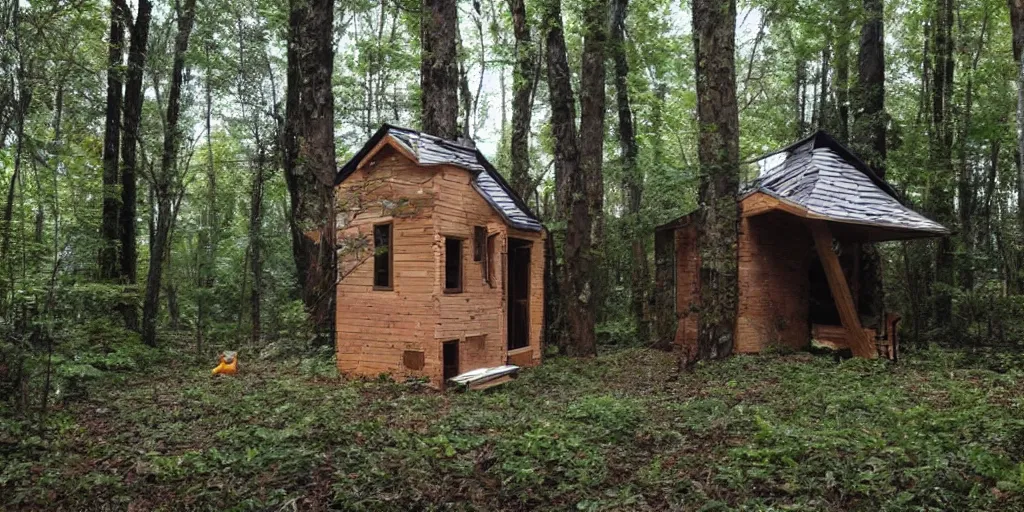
823	177
430	150
825	180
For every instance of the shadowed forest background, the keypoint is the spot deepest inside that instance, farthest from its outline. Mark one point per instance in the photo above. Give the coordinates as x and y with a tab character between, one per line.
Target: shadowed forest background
162	163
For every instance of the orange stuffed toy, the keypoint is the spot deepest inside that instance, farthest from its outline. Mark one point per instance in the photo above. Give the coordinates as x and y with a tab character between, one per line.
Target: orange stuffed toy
228	363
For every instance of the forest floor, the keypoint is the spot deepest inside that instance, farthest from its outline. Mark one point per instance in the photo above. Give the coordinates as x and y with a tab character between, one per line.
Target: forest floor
623	431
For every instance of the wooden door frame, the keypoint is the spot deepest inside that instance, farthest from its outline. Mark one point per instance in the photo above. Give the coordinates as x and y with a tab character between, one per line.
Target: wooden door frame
528	244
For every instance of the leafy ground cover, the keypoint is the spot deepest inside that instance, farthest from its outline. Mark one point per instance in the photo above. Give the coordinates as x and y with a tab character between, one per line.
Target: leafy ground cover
623	431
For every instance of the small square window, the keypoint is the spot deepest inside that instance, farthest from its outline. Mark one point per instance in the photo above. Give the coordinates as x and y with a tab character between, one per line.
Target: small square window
382	251
452	265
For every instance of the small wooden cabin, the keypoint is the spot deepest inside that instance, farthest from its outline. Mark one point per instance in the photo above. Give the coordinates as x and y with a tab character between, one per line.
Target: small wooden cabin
803	220
440	263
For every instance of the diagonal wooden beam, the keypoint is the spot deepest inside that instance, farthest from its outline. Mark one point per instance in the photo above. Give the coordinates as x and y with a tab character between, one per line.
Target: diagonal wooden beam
860	343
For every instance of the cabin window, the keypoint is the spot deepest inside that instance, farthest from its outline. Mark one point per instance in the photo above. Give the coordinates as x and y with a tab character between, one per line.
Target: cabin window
452	265
479	239
382	257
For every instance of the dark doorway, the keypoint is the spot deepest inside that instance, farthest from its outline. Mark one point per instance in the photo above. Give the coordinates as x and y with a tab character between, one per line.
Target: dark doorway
518	293
450	356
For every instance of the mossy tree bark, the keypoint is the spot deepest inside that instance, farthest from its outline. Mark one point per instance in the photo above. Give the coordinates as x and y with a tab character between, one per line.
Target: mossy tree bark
108	254
869	137
577	159
439	71
714	38
309	157
524	79
133	98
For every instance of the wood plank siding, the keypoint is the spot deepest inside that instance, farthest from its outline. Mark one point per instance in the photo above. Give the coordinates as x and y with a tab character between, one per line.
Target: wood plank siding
774	258
426	205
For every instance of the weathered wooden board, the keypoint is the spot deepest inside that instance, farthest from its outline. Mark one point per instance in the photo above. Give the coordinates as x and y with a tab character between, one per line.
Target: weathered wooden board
860	344
378	330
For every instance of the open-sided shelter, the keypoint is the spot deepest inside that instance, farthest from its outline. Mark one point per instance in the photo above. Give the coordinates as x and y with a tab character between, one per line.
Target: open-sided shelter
803	221
440	263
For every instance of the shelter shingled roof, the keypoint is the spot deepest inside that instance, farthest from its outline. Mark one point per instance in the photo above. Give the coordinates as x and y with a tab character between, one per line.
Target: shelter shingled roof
430	150
823	179
822	176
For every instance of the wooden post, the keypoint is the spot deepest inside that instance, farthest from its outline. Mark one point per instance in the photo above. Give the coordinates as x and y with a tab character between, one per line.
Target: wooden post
860	343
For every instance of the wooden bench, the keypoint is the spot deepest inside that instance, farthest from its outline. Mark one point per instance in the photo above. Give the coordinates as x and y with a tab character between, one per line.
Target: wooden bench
835	337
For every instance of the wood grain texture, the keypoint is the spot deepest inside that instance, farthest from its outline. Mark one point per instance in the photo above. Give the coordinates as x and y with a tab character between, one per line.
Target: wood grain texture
773	271
375	328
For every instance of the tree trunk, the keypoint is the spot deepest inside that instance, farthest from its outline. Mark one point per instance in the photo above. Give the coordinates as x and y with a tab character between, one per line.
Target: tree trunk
173	311
465	97
523	78
256	242
714	38
966	196
799	99
823	114
22	108
990	187
167	175
632	175
439	72
207	236
842	66
309	157
1017	27
869	137
108	254
570	187
592	115
940	195
133	99
870	117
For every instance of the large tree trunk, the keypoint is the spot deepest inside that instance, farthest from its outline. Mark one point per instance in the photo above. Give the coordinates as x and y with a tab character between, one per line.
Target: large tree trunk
869	137
632	175
714	40
163	184
592	115
571	190
523	78
309	156
824	120
439	72
870	122
108	254
133	99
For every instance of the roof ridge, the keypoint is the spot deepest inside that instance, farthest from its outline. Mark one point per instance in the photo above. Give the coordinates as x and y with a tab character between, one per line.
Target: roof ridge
431	137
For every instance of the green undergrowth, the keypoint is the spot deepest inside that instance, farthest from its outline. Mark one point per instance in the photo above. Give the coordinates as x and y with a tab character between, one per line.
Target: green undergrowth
623	431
